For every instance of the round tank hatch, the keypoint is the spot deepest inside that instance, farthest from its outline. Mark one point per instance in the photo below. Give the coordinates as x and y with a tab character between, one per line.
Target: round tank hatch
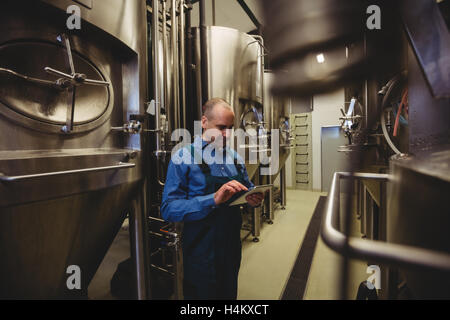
26	88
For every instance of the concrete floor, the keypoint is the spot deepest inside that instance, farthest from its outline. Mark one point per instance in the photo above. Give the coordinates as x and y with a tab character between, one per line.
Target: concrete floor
99	289
266	265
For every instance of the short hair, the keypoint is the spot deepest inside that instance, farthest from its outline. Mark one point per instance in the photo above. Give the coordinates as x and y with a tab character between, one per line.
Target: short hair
210	104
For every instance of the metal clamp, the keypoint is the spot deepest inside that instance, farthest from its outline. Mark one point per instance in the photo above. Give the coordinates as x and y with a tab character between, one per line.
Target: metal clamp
120	165
382	252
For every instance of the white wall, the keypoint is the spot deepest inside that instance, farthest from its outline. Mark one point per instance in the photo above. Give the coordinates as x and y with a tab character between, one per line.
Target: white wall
326	113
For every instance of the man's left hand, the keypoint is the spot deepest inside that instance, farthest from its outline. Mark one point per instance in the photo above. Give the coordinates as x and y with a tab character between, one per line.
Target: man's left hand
255	199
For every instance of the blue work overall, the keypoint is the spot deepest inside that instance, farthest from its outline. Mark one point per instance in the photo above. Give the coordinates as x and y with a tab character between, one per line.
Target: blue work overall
212	246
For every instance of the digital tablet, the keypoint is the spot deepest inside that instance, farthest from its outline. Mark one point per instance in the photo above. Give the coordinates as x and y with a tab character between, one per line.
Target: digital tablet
257	189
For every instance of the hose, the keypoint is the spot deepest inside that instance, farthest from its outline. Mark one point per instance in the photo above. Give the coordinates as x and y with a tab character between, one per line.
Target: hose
386	134
403	103
387	92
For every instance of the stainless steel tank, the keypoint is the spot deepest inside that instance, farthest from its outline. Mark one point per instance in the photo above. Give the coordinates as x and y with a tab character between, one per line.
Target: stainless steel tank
67	179
276	117
419	215
235	73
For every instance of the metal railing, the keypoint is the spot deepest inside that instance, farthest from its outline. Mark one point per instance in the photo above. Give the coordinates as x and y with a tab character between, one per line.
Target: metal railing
382	252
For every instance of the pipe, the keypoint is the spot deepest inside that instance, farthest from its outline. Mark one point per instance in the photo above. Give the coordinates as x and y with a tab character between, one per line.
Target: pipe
283	186
250	14
189	64
165	66
139	246
397	118
156	84
182	64
204	53
373	250
175	79
386	134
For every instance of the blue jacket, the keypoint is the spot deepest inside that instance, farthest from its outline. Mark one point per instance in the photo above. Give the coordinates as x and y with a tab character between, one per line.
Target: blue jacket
184	197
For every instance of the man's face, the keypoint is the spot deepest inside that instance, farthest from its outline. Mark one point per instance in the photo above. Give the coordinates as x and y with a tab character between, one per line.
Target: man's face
218	125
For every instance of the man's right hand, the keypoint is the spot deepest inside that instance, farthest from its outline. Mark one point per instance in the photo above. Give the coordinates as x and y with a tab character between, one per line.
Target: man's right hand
228	190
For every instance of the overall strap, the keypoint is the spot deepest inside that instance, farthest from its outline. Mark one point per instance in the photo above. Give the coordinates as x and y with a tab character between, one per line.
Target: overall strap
206	170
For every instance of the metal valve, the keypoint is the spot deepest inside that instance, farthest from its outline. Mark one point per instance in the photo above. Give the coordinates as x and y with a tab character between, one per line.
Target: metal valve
131	127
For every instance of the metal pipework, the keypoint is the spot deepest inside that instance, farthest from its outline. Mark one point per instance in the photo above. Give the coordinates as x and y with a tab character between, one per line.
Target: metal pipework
120	165
203	53
182	64
283	187
156	84
165	75
175	64
382	252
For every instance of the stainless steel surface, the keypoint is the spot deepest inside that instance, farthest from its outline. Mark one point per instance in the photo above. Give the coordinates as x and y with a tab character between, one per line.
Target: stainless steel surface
428	117
419	208
165	72
156	78
74	203
31	107
118	166
182	64
276	117
175	64
401	255
430	40
234	74
139	244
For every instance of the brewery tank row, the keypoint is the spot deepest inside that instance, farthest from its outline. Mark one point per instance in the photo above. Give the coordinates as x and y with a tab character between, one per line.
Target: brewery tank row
87	116
80	141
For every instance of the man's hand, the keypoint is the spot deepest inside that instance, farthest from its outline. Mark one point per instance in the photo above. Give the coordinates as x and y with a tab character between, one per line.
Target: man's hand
255	199
228	190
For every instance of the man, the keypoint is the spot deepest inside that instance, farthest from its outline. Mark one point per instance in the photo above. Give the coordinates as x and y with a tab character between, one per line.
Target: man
198	193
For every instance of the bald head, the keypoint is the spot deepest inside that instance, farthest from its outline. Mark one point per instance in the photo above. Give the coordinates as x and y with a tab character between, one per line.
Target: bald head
213	106
218	116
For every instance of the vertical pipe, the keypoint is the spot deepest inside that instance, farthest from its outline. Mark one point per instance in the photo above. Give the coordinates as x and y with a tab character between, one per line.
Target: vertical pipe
189	76
213	12
165	67
271	197
156	83
256	230
182	64
178	264
283	186
139	246
175	62
204	52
